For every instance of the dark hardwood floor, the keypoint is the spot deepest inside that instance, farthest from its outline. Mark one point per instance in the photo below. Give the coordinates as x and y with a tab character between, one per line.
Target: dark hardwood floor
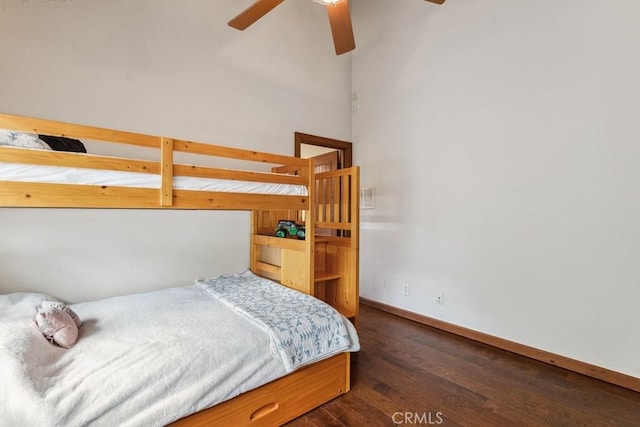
411	374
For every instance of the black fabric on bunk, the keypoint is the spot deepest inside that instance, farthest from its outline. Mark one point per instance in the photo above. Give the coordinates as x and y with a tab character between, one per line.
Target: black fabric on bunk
60	143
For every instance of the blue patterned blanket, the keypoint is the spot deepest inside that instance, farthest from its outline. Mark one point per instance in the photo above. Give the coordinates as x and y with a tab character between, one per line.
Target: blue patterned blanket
302	328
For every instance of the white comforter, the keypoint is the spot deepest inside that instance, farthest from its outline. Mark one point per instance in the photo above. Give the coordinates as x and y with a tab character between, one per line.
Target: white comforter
145	359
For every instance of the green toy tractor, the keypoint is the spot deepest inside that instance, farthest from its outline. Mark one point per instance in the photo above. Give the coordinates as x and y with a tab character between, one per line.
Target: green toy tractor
288	227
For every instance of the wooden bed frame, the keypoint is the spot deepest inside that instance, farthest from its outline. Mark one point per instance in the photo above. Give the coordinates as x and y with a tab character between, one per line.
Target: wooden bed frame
324	265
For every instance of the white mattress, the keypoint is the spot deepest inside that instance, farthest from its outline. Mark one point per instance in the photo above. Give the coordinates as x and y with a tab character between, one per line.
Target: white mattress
144	359
63	175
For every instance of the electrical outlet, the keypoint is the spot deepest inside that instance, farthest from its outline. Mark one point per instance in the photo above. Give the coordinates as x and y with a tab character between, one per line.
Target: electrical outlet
440	298
405	289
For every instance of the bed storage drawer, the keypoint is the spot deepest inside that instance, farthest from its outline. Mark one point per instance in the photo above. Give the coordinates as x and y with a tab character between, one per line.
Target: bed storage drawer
282	400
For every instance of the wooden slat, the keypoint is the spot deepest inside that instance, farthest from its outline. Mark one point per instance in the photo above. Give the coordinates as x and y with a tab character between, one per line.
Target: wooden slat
336	213
341	242
189	199
310	221
50	127
278	242
355	241
236	153
77	160
334	225
345	191
291	169
166	191
29	194
328	200
269	268
321	202
236	175
337	172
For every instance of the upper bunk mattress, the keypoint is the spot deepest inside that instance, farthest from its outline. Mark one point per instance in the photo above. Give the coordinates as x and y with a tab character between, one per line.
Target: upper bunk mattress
71	175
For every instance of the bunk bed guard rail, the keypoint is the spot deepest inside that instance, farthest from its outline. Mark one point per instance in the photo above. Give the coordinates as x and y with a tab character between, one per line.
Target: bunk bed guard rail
30	192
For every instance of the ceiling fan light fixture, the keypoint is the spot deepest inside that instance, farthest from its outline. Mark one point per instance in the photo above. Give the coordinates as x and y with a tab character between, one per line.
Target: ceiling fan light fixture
339	20
328	2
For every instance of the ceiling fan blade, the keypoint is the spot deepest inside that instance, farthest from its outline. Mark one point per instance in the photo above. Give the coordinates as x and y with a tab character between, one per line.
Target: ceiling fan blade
253	13
341	29
436	1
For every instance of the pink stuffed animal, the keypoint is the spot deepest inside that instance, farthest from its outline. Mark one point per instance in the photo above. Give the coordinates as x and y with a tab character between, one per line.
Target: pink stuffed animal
58	323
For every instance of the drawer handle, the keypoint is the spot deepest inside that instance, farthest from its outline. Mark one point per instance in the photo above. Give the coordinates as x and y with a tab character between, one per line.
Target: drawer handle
261	412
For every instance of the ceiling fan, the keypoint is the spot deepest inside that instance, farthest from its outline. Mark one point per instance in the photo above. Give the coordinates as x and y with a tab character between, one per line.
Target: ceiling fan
339	19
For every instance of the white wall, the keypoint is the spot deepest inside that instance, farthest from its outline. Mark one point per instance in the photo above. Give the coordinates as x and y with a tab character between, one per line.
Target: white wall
499	136
167	68
502	139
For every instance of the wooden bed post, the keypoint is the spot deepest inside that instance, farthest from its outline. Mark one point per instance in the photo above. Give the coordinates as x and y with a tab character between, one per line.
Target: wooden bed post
355	238
310	230
166	154
254	250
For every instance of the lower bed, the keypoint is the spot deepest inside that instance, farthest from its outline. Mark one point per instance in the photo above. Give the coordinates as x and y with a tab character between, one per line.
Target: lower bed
154	358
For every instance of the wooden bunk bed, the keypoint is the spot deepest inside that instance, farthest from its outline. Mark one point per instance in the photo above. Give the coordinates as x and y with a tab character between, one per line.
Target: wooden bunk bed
325	265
